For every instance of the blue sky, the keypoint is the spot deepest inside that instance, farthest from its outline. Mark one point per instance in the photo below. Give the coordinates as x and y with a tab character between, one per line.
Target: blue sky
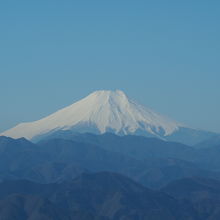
164	54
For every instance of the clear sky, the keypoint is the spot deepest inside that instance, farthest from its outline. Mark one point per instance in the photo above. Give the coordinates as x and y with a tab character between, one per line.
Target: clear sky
164	54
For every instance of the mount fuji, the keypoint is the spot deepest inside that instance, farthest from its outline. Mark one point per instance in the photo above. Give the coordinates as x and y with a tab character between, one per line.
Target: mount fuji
109	111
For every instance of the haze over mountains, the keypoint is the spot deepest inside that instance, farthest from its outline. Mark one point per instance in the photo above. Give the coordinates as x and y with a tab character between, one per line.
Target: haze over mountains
106	157
109	111
152	162
108	177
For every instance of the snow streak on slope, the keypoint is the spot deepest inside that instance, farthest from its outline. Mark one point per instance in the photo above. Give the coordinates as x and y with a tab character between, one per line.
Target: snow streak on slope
105	110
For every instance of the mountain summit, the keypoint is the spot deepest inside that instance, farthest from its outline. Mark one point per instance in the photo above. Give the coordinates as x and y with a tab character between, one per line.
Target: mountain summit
100	112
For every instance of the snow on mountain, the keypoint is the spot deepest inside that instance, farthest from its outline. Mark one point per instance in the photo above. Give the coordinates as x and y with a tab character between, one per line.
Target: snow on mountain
104	110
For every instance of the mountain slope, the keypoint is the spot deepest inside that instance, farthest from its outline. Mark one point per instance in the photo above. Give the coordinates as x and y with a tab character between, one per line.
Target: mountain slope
202	194
149	161
108	111
28	207
99	196
211	142
101	111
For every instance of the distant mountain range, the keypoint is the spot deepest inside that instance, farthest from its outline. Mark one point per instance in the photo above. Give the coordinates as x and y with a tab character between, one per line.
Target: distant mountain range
100	196
150	161
109	196
109	111
68	176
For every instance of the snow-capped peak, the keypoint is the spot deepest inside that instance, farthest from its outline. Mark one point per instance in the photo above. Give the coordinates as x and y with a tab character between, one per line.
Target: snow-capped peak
103	111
